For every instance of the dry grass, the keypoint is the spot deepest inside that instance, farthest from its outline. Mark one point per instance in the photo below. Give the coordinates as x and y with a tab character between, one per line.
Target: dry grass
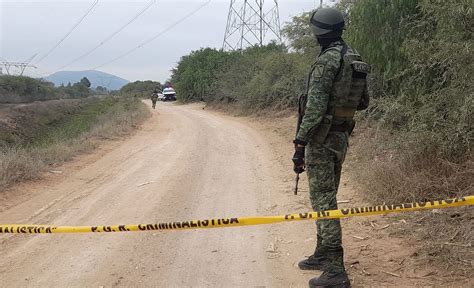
444	238
19	163
395	176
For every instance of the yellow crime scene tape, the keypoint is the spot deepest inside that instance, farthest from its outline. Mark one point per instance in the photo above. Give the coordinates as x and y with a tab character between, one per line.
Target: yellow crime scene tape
244	221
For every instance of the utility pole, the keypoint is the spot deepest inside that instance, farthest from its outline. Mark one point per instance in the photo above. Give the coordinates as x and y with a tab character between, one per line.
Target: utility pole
251	23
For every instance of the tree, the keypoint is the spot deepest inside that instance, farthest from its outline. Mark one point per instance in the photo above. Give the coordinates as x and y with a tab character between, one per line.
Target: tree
84	81
196	74
100	89
378	28
300	36
141	88
22	89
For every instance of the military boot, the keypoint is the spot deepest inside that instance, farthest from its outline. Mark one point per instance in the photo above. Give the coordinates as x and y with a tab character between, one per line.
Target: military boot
313	262
330	280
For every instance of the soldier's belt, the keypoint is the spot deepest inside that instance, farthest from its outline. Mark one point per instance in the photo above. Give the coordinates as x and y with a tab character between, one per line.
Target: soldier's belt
344	112
244	221
339	128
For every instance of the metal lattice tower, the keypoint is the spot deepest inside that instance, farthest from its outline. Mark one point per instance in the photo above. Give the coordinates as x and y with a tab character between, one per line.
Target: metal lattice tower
251	23
20	65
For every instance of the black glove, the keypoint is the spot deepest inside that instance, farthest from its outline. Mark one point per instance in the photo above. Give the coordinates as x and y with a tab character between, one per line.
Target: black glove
298	160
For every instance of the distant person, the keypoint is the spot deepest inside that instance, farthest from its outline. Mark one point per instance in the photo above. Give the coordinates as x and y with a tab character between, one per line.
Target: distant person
154	98
336	88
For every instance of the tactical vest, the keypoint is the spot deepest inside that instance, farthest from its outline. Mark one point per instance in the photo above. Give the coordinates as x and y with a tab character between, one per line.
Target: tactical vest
346	95
348	86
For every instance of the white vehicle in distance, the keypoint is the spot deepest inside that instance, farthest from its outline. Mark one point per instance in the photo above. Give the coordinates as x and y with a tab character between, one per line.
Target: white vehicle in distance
161	97
169	94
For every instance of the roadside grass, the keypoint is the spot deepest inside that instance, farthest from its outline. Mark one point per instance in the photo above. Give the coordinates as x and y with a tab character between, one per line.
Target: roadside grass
59	142
397	172
387	175
22	123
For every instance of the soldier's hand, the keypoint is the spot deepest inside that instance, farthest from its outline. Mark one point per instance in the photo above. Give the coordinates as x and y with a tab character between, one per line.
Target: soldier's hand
298	159
298	170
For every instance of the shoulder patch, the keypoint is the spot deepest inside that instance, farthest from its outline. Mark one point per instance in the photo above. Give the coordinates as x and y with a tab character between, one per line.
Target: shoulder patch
360	66
319	70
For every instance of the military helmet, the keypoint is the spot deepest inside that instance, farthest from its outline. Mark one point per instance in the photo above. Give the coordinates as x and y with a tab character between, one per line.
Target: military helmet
327	20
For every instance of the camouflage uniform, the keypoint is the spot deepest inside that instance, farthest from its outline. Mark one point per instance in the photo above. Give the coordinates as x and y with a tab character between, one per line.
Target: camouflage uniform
154	98
330	77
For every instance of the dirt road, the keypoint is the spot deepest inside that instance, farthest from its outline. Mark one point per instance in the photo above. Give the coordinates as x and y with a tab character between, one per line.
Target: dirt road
185	163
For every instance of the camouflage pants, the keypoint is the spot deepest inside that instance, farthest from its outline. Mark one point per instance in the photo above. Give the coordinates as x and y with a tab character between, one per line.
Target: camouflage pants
324	172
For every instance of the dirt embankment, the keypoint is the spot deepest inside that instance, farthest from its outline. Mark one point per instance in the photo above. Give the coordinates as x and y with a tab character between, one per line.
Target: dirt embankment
20	122
188	163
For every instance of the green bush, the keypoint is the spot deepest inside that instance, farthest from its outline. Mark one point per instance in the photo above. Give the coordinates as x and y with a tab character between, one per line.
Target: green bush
255	78
22	89
277	84
18	89
377	29
196	75
430	103
423	108
140	88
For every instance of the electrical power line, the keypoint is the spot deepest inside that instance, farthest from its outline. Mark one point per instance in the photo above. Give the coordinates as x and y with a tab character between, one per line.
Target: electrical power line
108	38
69	32
155	36
31	58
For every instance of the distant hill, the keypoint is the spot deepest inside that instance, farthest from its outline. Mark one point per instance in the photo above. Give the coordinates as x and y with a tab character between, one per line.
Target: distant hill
97	78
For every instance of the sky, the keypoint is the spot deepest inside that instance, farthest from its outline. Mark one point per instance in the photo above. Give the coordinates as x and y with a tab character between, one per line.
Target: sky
34	27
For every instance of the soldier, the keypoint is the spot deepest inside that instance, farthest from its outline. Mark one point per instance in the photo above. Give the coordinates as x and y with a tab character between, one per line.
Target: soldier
336	88
154	98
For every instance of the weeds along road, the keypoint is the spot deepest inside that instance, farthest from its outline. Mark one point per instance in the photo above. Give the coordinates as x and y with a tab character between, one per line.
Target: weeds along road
185	163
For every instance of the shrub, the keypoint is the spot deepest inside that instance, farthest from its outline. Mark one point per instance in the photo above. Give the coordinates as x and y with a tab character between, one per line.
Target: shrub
22	89
140	88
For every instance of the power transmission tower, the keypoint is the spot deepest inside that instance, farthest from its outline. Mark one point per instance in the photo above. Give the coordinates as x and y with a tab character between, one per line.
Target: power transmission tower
20	65
250	23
